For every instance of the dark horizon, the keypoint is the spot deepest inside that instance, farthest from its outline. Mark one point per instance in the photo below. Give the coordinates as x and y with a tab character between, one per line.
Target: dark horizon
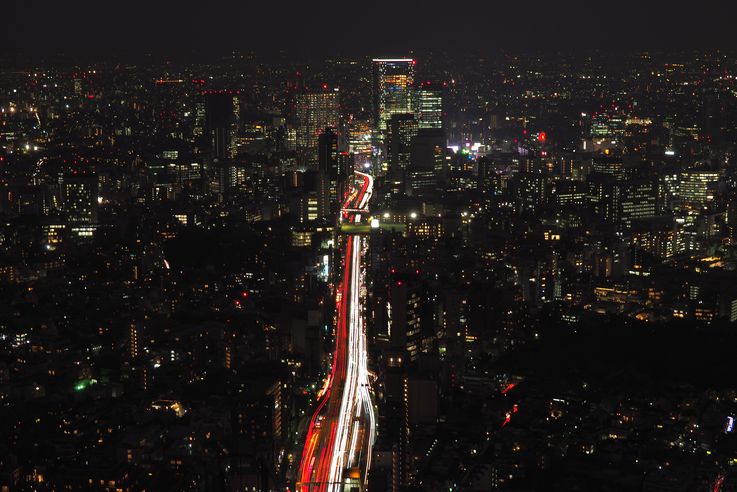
43	28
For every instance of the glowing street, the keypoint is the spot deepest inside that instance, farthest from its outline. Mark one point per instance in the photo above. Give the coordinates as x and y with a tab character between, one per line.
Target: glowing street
341	433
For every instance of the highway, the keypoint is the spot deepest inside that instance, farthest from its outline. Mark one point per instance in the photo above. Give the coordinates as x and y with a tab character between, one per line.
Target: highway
341	433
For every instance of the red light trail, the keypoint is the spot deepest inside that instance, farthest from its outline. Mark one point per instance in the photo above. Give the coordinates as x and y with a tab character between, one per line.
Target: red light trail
342	430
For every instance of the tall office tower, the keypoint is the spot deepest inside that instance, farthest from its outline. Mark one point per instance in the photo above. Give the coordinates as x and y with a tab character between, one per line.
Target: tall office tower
359	140
402	128
403	317
392	81
168	98
200	121
427	161
327	171
314	111
79	202
428	105
222	115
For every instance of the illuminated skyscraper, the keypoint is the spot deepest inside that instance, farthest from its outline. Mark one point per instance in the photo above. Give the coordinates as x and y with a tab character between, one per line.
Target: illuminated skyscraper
392	93
314	111
359	140
428	105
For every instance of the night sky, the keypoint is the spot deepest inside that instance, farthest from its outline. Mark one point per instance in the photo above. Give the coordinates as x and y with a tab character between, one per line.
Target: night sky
85	27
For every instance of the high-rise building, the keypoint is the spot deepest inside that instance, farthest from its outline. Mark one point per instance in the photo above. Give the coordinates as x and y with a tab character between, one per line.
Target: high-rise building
359	140
403	317
79	202
392	82
314	111
696	188
427	161
327	172
222	115
167	97
428	105
200	121
134	331
622	202
402	128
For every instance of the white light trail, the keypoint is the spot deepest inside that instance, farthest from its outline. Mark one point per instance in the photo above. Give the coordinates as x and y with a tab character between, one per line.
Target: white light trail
348	431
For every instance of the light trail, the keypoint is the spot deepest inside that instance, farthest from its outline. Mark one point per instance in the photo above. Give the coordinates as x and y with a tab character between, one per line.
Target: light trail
342	431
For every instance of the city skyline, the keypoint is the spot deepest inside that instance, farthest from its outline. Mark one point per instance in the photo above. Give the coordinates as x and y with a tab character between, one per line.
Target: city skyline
368	248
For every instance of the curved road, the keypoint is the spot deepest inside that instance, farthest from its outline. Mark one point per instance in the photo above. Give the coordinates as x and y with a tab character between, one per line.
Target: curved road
337	451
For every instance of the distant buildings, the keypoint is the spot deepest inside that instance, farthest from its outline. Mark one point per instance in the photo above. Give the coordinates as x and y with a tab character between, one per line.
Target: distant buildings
328	174
170	261
392	88
222	116
79	200
314	111
428	105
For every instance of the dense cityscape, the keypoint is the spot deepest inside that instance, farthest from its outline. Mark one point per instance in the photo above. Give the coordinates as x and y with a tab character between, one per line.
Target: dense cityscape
433	271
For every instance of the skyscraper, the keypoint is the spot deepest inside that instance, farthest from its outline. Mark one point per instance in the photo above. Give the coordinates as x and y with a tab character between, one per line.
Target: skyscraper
401	129
314	111
404	317
327	172
427	161
392	82
359	140
428	105
222	114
